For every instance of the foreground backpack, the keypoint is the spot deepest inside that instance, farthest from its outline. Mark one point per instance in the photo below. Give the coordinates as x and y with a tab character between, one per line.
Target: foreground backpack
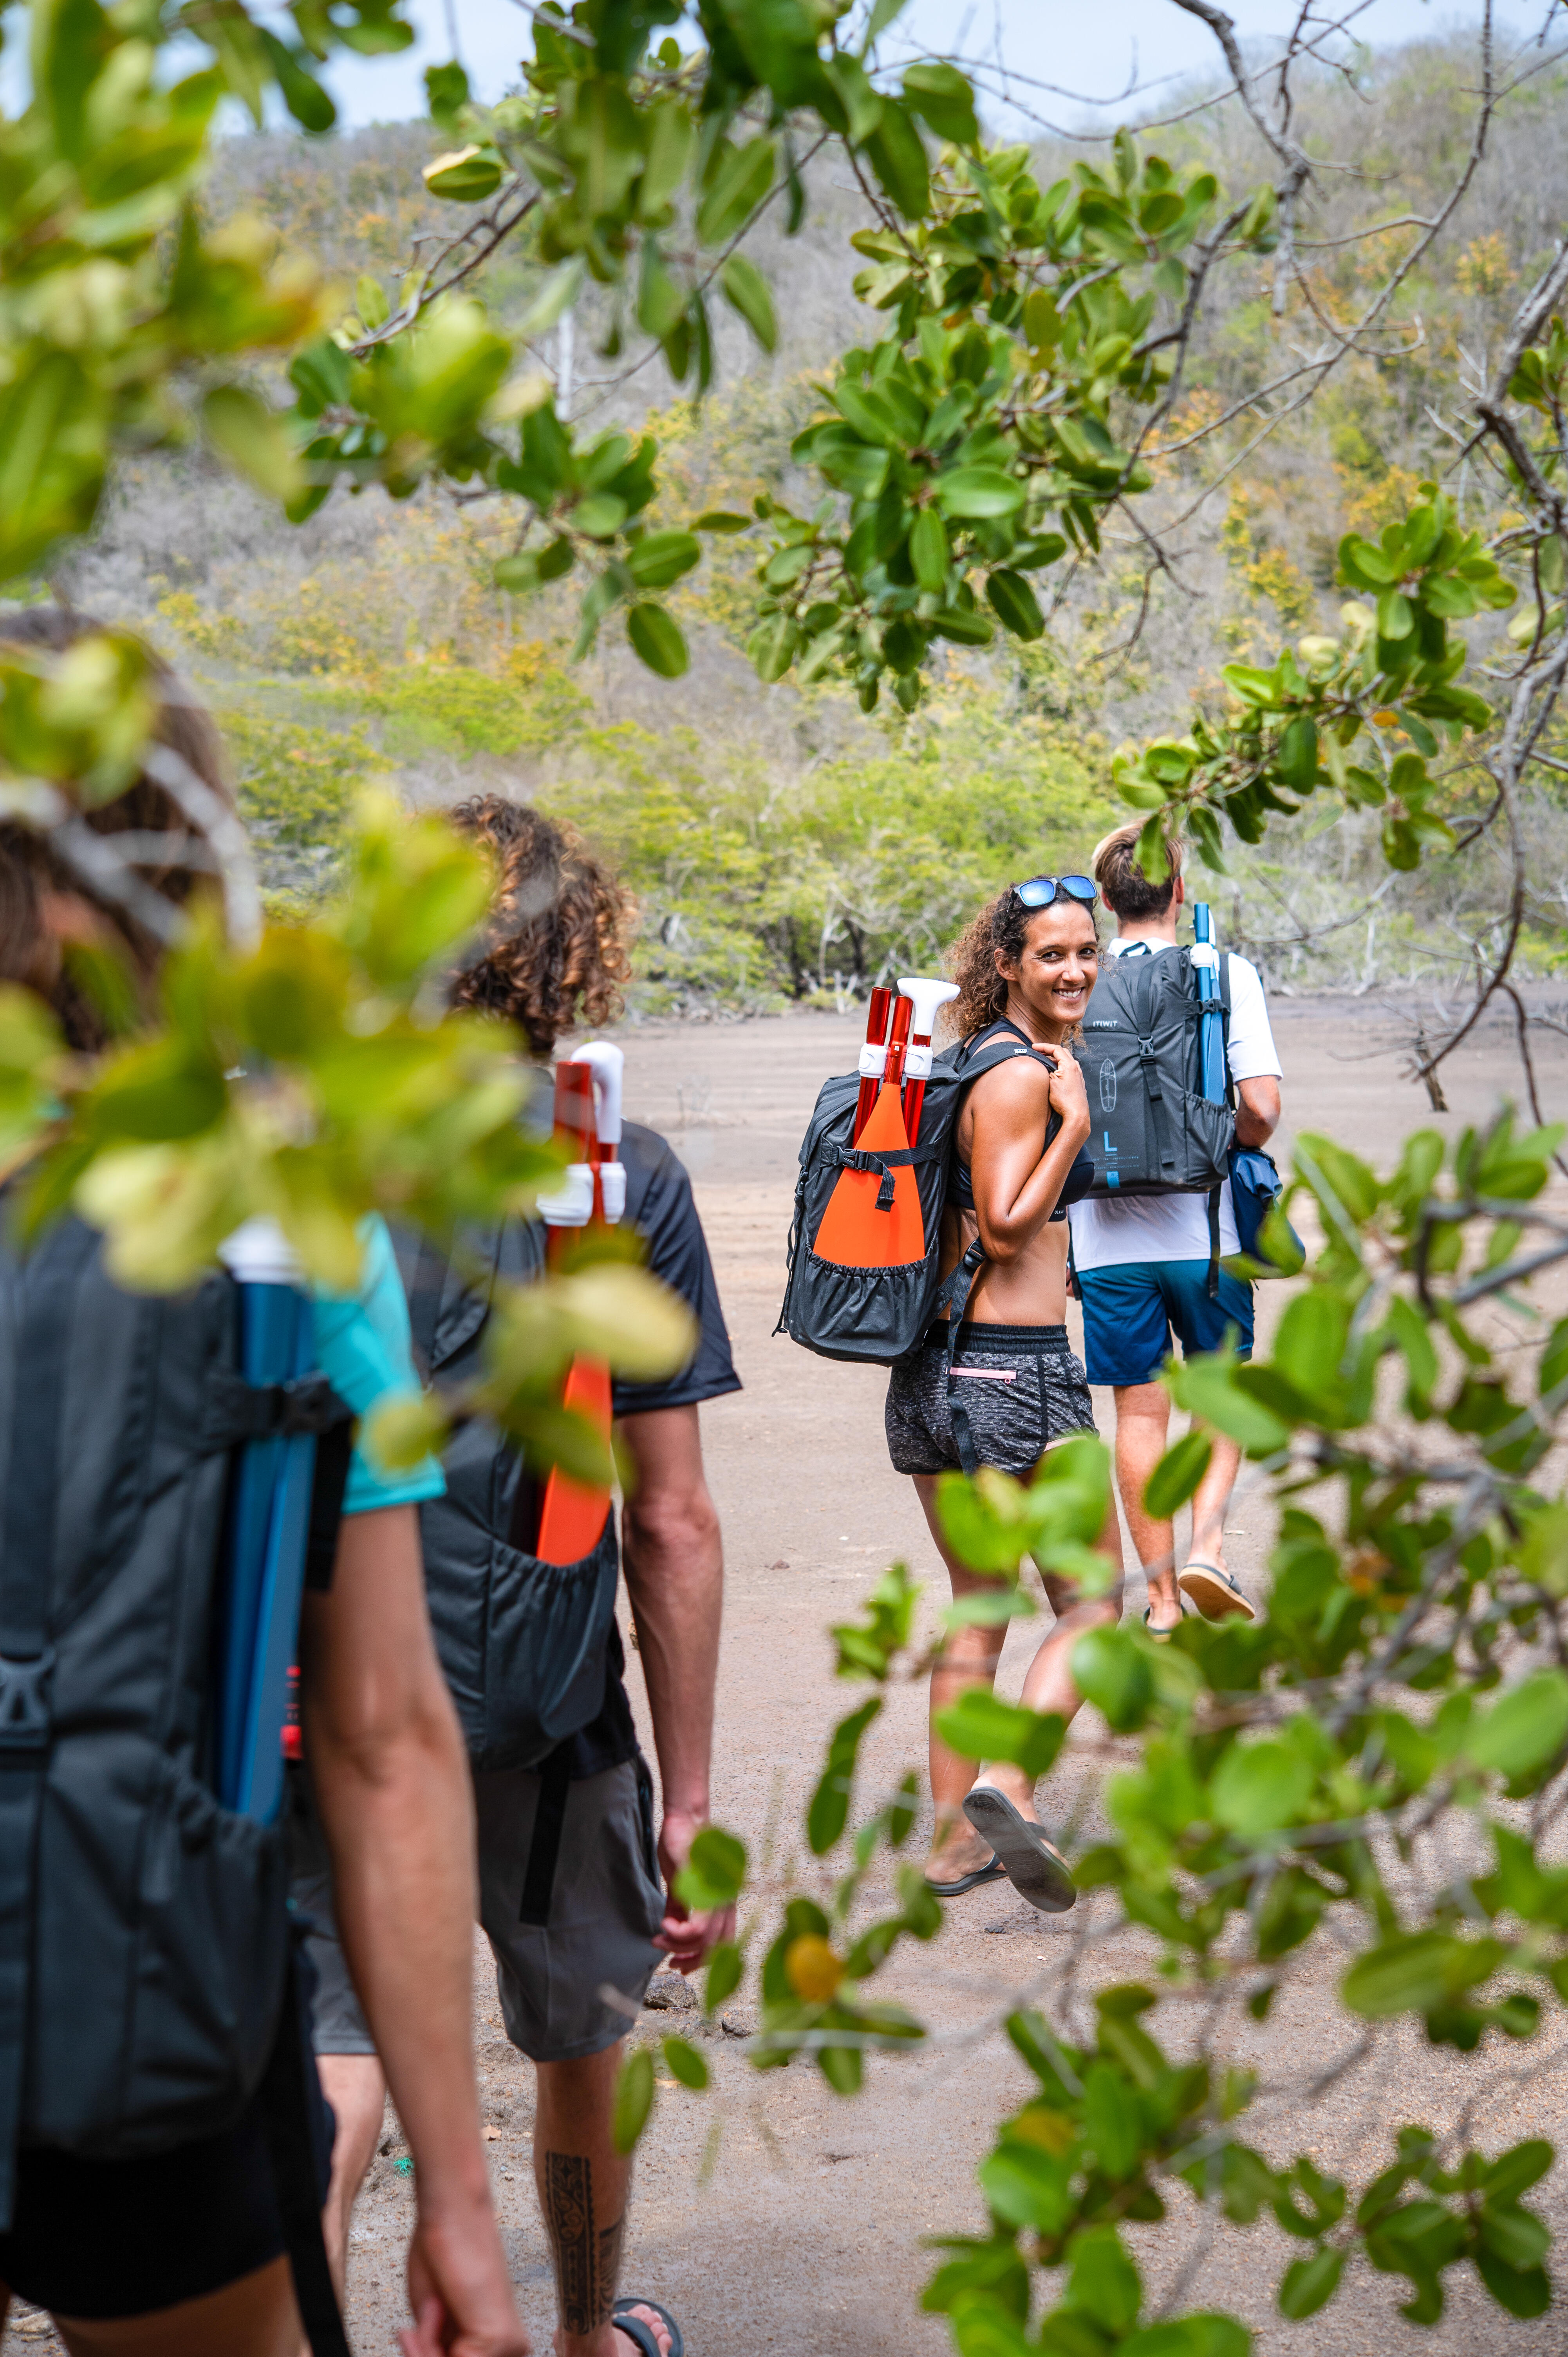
146	1992
876	1313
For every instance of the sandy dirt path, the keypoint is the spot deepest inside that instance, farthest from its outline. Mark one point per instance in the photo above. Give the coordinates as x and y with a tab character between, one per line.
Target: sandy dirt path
770	2214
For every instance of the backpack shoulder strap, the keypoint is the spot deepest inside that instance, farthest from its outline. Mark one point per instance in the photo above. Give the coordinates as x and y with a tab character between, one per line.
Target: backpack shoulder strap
47	1289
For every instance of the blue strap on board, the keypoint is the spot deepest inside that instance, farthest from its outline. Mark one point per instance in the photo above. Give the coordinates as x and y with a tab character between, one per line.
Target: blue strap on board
1211	1037
263	1552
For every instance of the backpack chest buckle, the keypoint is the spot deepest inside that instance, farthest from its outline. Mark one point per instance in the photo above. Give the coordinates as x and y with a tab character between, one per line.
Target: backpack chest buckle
25	1702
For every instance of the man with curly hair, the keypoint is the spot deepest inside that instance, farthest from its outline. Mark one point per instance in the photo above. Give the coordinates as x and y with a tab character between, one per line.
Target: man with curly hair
575	1892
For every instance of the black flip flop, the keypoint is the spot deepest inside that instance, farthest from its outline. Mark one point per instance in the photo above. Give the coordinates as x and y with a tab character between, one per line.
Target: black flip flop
640	2335
1026	1857
994	1872
1213	1591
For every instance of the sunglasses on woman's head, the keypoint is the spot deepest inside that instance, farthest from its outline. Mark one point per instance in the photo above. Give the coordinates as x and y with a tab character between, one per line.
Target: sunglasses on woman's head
1041	890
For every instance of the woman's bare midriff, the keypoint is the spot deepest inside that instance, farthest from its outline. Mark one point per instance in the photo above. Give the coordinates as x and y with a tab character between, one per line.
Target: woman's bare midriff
1028	1291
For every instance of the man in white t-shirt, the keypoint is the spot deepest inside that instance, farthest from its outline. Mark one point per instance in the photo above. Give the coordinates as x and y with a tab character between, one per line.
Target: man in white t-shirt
1143	1266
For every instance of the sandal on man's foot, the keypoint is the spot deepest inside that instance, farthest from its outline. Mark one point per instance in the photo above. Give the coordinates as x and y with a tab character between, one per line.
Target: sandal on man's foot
642	2336
1160	1636
1213	1591
989	1872
1036	1870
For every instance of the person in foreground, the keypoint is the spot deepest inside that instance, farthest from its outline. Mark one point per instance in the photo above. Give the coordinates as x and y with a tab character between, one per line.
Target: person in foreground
1143	1267
1025	969
179	2251
607	1909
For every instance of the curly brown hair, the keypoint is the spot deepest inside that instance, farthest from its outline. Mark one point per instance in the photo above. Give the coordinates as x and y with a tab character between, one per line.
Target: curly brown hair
49	910
1001	929
556	950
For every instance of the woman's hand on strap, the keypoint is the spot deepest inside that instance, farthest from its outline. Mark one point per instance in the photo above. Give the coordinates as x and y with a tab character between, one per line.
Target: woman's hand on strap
1069	1098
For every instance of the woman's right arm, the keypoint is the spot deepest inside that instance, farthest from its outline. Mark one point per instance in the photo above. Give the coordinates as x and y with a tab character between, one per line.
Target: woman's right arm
1015	1186
392	1782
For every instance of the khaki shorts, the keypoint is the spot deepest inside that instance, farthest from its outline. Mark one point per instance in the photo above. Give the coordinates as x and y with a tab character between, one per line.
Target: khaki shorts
606	1902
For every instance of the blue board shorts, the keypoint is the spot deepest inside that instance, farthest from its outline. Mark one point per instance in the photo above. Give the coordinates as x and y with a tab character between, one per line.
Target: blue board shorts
1131	1311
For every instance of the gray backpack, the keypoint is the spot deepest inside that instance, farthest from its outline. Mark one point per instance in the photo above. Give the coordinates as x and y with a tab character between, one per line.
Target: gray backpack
147	1993
1154	1131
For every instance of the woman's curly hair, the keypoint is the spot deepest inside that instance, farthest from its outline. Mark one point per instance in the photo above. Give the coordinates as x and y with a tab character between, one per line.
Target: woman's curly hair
555	951
1002	926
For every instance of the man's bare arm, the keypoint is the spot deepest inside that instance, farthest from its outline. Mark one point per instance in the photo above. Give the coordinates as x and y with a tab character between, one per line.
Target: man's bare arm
392	1782
673	1555
1258	1111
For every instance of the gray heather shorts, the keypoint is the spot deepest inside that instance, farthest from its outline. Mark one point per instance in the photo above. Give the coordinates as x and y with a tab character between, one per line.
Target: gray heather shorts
606	1902
1022	1385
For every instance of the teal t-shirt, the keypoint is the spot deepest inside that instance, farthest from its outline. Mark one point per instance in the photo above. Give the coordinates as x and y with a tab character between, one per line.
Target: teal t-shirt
364	1349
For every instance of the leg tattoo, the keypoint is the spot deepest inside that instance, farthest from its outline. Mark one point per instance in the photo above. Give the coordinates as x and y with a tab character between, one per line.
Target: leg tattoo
587	2263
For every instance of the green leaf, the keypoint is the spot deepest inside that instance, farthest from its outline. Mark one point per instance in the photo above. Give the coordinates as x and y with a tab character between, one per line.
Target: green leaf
1112	1670
1260	1788
1177	1476
446	94
899	159
1201	2335
743	178
661	557
467	176
685	2063
979	492
302	93
928	551
1396	615
771	647
1527	1726
1311	1342
726	1967
1104	2282
965	627
981	1725
1207	1388
714	1873
829	1809
1296	758
249	435
1523	2293
748	292
1012	601
941	96
723	520
1310	2284
659	640
633	2099
1417	1972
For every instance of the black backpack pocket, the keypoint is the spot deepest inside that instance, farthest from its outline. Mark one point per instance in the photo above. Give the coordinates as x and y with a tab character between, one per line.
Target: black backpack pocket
860	1313
546	1629
162	1923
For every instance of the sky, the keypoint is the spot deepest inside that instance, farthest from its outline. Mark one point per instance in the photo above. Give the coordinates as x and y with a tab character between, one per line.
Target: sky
1092	48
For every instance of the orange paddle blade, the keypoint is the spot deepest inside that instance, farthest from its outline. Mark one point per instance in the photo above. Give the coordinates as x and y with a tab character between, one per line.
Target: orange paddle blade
853	1233
573	1516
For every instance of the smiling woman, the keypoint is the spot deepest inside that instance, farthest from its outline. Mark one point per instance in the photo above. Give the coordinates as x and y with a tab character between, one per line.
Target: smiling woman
1012	1387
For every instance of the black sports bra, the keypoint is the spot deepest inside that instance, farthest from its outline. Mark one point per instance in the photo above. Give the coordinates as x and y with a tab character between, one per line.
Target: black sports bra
1079	1179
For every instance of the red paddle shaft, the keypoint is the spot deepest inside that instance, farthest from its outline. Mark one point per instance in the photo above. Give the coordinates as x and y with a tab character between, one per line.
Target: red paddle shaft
874	1055
898	1043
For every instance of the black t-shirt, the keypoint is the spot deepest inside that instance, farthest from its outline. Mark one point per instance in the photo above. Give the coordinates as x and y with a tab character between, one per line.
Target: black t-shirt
658	1206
